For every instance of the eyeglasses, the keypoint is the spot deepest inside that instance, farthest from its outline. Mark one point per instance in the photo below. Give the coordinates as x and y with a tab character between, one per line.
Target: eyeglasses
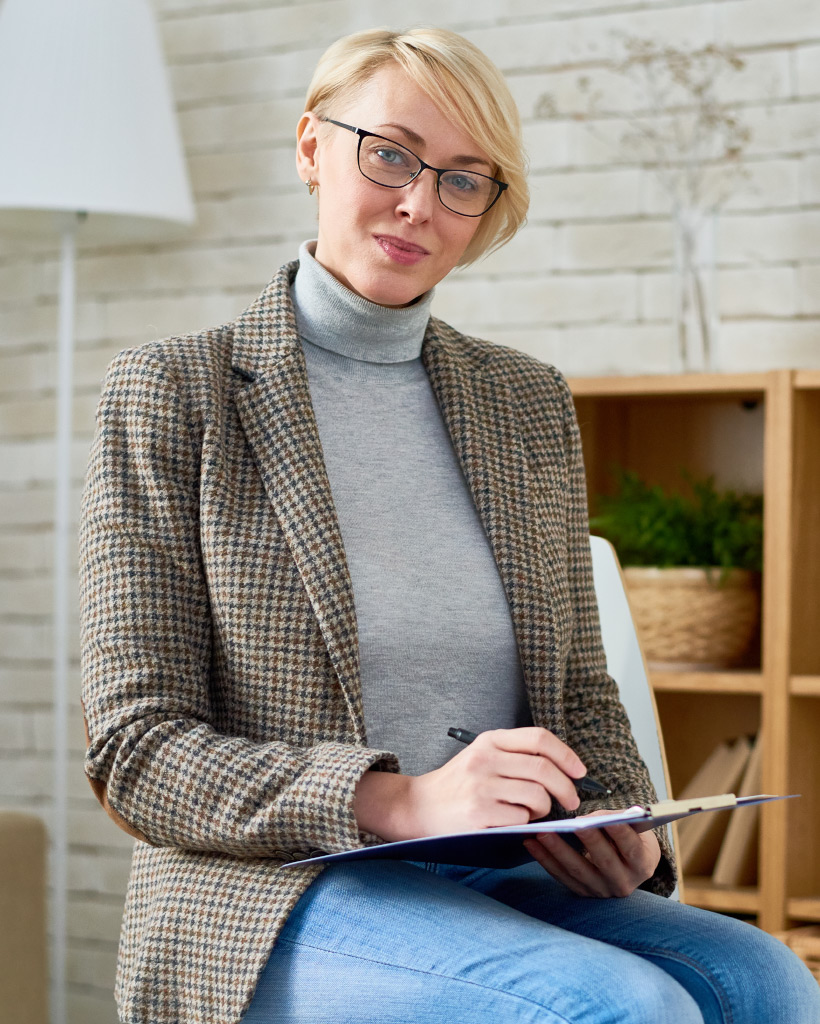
390	164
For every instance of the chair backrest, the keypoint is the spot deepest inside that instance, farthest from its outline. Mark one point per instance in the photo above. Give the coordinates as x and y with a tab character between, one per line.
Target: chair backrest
625	663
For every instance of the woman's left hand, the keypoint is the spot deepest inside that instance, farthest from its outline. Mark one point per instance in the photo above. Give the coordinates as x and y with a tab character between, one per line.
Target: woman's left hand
614	862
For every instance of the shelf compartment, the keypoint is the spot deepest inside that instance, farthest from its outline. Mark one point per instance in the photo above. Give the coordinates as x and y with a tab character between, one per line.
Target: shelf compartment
693	723
700	891
708	682
657	436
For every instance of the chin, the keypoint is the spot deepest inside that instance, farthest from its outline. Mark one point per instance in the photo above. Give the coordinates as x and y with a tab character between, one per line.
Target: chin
396	295
396	302
387	297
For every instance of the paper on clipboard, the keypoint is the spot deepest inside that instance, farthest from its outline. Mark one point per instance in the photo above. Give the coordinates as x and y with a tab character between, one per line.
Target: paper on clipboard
502	847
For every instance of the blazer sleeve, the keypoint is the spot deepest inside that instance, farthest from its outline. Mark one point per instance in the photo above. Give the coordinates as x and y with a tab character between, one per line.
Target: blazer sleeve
597	725
154	758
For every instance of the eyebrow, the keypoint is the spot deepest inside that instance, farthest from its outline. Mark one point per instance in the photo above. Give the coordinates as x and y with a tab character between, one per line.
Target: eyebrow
462	161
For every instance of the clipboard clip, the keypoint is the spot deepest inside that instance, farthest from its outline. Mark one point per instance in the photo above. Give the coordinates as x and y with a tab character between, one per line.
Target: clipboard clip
725	801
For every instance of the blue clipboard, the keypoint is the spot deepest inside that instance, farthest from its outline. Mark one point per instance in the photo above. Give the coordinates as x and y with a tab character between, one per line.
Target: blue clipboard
502	847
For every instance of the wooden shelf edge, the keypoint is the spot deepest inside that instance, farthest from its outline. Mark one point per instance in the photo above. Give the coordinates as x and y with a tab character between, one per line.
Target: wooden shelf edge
804	686
803	908
807	379
707	682
702	892
754	384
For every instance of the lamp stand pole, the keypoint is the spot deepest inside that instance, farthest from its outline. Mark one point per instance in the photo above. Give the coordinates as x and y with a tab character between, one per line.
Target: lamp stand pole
62	535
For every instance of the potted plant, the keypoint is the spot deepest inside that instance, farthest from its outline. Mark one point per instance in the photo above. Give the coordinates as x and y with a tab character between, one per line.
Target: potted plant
692	562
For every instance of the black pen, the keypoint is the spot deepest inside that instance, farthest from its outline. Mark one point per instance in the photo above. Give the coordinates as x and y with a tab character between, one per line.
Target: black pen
586	783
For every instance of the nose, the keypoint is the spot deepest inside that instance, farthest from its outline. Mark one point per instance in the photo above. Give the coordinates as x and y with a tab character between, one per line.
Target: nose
419	198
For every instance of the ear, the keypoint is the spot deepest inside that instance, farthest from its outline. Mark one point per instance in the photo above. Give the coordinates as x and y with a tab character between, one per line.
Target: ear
307	146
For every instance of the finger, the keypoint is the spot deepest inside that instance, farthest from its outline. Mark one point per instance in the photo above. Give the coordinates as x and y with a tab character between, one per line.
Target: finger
599	842
549	863
640	851
542	742
604	857
576	871
523	793
624	870
631	848
625	839
601	870
542	771
502	813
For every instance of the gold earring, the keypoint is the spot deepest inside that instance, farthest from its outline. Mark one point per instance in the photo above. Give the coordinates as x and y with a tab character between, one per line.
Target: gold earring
311	186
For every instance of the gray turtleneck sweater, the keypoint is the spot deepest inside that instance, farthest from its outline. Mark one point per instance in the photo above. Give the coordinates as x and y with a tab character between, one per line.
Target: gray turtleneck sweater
436	640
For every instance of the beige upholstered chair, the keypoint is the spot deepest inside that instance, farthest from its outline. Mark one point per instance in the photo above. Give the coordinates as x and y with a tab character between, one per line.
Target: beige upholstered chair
23	960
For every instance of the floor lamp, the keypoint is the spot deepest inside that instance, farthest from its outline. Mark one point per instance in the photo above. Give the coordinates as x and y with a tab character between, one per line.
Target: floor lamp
89	150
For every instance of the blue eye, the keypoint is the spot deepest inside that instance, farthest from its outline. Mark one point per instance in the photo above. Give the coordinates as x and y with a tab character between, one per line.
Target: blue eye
461	182
390	156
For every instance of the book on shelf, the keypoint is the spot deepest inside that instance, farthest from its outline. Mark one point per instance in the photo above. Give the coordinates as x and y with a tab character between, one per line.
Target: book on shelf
700	837
737	860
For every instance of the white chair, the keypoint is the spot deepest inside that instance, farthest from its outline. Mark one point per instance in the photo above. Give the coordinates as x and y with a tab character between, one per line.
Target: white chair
625	663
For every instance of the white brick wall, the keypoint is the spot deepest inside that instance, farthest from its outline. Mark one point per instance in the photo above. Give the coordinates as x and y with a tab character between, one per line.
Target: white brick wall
587	284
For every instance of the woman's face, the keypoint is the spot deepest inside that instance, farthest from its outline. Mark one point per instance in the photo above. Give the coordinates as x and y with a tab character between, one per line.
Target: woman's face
388	245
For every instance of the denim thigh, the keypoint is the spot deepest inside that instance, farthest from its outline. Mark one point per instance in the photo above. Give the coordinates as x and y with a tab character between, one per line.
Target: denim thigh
736	973
393	943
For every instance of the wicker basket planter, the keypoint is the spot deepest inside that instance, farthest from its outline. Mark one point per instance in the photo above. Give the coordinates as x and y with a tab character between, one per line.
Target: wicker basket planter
695	618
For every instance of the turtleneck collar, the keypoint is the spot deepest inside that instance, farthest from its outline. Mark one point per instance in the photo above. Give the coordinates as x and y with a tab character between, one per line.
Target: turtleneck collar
331	316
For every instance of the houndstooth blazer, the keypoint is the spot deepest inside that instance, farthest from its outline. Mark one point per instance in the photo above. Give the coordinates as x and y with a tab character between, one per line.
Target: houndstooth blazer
220	660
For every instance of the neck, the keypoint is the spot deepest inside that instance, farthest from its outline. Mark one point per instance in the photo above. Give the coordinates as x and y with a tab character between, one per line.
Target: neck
333	317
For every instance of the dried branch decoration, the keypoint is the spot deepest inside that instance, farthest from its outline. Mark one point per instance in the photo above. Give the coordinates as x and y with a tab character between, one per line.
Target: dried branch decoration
690	139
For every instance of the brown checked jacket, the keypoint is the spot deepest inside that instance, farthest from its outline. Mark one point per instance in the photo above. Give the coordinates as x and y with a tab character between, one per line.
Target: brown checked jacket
219	648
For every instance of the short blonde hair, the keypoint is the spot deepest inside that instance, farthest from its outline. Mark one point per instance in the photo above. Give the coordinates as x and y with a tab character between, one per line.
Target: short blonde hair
465	85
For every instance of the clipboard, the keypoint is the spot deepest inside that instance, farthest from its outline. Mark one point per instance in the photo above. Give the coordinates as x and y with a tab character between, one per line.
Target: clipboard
501	847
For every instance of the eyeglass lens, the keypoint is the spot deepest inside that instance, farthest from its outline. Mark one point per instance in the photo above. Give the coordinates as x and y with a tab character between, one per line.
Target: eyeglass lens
388	163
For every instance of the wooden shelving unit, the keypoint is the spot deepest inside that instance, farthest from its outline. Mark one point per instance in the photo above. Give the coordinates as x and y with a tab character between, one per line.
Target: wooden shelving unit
755	431
701	892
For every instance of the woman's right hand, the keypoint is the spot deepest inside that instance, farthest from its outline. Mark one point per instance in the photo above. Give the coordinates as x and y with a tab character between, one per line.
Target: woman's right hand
504	777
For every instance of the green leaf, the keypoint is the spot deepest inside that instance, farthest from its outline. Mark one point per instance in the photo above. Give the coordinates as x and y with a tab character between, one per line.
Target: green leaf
700	526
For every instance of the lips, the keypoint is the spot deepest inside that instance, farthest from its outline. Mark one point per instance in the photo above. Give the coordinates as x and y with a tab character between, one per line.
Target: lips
400	250
400	243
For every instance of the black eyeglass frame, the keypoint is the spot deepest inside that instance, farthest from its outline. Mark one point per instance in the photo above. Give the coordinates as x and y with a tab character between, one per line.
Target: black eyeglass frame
438	171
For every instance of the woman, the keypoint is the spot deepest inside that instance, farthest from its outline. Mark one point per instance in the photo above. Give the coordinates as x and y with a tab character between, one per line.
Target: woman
316	537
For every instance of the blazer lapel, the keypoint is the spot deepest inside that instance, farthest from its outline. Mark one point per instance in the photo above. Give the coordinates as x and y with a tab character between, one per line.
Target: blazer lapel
277	416
478	411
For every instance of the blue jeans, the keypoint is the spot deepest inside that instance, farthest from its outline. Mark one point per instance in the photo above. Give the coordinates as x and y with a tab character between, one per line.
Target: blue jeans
398	943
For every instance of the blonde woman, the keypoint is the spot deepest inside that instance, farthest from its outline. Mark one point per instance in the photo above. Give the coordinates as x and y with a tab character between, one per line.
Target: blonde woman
313	539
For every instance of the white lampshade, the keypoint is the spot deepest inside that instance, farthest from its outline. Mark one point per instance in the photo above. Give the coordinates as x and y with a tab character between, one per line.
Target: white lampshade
87	123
